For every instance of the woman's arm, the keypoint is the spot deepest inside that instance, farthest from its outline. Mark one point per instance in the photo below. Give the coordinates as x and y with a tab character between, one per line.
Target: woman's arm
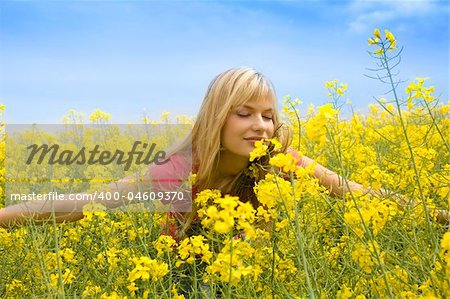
164	177
40	210
64	208
331	180
337	186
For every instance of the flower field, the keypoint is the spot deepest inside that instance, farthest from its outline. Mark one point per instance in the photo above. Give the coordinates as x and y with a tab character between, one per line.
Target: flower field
300	242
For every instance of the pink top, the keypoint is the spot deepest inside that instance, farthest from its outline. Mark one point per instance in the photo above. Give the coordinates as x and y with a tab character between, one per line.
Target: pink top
170	177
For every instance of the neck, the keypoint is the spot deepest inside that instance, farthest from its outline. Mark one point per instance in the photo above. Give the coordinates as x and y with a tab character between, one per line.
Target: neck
230	164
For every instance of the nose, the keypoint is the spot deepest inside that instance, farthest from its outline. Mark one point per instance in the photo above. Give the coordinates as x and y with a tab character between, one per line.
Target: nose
259	125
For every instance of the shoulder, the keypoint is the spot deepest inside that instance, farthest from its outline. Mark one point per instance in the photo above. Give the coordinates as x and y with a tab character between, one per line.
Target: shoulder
175	166
173	176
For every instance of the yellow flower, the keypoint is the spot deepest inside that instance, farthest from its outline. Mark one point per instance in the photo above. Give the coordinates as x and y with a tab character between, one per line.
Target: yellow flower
445	246
263	213
327	111
373	41
113	255
132	287
378	52
286	162
165	116
282	224
330	84
175	294
194	246
68	255
230	266
276	144
335	88
13	286
164	244
376	33
364	256
113	295
273	190
90	291
67	278
94	209
259	151
204	197
99	116
146	267
225	226
224	212
344	293
389	36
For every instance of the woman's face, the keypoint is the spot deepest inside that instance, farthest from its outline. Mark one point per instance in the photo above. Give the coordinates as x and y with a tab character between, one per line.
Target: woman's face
247	124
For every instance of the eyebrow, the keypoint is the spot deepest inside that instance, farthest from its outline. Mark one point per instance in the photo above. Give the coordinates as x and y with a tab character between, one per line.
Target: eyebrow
252	108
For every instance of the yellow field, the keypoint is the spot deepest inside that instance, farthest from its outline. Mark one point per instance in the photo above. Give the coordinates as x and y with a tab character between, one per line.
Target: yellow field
299	243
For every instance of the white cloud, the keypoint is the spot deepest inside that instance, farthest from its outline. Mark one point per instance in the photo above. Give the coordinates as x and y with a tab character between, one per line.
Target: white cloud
368	14
366	21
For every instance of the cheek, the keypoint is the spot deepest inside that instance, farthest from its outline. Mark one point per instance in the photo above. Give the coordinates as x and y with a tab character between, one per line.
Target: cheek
223	134
271	130
233	125
227	131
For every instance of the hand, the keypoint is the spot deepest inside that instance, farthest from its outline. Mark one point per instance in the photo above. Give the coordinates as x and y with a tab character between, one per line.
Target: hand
442	217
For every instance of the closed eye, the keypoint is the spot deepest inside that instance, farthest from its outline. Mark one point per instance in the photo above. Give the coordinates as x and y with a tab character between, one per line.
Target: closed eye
243	115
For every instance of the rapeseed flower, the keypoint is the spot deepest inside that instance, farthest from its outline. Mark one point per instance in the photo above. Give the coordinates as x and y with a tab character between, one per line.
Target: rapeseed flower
164	244
146	268
259	151
193	247
287	162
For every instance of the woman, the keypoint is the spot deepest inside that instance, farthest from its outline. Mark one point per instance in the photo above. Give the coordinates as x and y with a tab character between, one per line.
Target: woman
239	108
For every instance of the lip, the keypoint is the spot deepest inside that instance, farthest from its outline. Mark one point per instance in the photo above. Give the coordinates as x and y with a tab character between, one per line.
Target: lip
253	138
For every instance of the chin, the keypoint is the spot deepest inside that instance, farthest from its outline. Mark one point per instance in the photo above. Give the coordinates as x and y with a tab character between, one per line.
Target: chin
245	155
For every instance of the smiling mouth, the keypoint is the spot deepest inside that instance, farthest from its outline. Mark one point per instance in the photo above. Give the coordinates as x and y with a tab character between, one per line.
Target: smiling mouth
254	138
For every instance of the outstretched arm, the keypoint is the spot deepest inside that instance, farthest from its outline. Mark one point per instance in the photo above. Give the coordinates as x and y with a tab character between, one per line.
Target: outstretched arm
40	211
337	186
334	182
64	208
155	177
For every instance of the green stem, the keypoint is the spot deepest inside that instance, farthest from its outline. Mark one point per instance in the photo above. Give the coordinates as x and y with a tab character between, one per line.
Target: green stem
338	153
231	267
300	240
436	126
408	142
60	290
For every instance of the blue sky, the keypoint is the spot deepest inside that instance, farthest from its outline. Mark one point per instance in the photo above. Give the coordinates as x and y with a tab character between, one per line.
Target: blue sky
131	57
